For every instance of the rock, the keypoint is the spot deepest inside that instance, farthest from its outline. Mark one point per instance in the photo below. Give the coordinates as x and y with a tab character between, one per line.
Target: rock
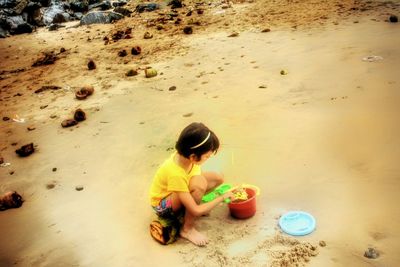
61	17
136	50
84	92
79	6
105	5
68	123
91	65
79	188
147	35
148	7
123	11
25	150
175	4
54	169
131	73
6	118
150	72
79	115
10	200
188	30
283	72
122	53
1	160
322	243
266	30
46	59
371	253
119	3
3	33
172	88
393	18
234	34
100	17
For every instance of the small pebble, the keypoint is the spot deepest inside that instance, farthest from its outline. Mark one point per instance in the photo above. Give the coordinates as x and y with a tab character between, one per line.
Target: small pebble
54	169
393	19
172	88
322	243
79	188
371	253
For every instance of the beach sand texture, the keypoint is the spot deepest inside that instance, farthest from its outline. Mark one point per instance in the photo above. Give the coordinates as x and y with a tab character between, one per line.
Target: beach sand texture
322	138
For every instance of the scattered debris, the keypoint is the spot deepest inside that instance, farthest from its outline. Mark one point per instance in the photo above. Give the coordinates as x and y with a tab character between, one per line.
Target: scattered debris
371	253
150	72
47	87
84	92
25	150
10	200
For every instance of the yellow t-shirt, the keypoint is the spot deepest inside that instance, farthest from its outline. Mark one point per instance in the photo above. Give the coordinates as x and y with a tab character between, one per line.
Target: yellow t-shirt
170	177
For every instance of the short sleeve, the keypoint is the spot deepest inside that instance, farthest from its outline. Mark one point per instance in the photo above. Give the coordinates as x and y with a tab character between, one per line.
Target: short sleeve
178	184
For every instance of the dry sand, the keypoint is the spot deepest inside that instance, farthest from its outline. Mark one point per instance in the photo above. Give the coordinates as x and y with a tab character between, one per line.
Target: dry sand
323	138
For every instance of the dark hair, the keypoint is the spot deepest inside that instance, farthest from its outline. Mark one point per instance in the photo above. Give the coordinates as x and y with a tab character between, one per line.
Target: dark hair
193	135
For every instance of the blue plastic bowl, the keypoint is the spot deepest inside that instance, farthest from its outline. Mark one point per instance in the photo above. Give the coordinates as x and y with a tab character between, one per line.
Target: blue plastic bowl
297	223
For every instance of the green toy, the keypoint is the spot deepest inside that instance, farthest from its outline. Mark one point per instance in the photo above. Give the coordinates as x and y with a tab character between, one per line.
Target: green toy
218	191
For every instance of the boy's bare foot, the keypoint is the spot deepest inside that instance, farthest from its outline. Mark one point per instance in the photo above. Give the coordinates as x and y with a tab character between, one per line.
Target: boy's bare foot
194	236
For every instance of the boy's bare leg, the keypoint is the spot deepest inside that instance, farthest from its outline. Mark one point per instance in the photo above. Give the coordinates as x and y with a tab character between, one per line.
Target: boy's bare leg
197	186
213	179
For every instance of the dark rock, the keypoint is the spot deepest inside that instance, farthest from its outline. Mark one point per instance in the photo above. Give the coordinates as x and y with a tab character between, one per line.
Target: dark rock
6	118
62	50
136	50
79	6
79	188
105	5
122	53
131	73
176	4
101	17
79	115
91	65
54	169
3	33
47	87
47	59
393	18
119	3
188	30
25	150
55	26
147	7
123	11
23	28
61	17
172	88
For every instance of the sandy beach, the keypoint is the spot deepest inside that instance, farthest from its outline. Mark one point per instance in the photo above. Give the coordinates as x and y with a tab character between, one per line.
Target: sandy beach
322	136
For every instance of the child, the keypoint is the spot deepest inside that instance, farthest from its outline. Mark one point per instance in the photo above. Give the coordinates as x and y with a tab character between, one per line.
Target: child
179	184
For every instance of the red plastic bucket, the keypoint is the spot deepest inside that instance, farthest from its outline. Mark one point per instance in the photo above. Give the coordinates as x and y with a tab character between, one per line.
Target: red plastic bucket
244	209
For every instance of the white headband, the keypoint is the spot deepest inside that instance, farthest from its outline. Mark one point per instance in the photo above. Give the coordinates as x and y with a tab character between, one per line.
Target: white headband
202	143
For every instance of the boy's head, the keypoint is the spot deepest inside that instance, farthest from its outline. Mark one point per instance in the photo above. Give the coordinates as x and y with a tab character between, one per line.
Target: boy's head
196	139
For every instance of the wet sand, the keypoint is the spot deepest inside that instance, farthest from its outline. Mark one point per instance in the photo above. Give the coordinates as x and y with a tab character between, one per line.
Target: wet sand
323	139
